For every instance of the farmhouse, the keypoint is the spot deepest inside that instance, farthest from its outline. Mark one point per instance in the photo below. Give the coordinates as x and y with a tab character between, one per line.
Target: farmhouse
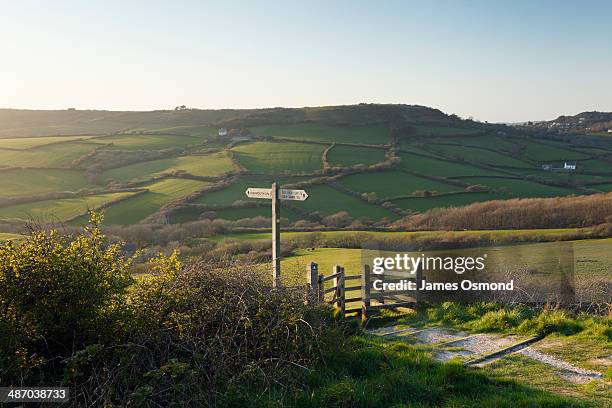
569	166
566	167
223	132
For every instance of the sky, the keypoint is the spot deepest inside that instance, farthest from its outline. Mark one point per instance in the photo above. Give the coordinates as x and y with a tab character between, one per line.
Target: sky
495	61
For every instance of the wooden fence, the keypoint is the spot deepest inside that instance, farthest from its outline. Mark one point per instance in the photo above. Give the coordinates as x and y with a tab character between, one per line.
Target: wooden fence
360	296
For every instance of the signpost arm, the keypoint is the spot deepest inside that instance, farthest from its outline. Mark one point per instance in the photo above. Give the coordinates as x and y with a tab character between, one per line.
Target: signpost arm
276	270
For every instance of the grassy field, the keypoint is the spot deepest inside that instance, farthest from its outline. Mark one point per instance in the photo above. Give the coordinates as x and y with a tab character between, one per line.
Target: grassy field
58	210
352	155
394	183
477	155
204	165
24	182
5	236
441	168
422	204
30	142
160	193
443	131
520	188
327	201
590	257
373	134
483	141
280	158
148	142
54	155
594	165
543	152
603	187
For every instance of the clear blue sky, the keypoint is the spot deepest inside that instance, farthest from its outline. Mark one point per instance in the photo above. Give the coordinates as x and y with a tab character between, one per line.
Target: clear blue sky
520	60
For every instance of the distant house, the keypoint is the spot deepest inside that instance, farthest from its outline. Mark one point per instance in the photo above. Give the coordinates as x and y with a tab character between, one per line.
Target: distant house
609	130
569	166
547	167
223	132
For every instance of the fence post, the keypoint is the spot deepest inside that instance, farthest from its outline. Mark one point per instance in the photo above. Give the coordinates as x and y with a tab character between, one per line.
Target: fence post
312	280
339	303
321	293
365	292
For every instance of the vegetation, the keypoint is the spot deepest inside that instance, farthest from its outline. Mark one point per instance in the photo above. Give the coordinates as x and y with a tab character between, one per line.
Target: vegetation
372	134
28	182
352	155
280	158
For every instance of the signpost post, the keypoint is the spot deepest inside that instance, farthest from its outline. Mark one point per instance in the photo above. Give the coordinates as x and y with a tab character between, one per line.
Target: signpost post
276	194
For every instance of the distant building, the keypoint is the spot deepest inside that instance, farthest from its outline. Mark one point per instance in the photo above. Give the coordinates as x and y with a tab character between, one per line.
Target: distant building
609	130
223	132
569	166
547	167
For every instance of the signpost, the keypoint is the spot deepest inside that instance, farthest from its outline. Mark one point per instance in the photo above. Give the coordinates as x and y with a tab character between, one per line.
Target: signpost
276	194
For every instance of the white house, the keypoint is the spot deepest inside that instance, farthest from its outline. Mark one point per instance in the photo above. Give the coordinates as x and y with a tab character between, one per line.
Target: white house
609	130
569	166
222	132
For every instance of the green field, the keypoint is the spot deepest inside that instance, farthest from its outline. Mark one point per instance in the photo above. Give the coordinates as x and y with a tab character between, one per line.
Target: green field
197	165
59	210
372	134
443	131
483	141
563	176
148	142
441	168
477	155
160	193
327	201
594	165
5	236
520	188
25	182
543	152
603	187
422	204
590	257
390	184
30	142
280	158
53	155
351	155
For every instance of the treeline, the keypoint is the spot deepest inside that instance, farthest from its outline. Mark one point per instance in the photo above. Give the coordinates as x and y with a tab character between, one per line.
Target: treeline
526	213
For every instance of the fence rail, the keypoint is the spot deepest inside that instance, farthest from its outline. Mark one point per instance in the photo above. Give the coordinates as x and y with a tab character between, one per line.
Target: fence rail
370	299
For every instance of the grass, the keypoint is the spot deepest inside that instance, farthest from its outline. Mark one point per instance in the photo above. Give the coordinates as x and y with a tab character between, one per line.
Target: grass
422	204
24	182
544	152
483	141
594	165
352	155
30	142
441	168
236	191
443	131
53	155
280	158
373	372
241	213
205	165
160	193
148	142
603	187
327	201
519	187
59	210
477	155
5	236
394	183
371	134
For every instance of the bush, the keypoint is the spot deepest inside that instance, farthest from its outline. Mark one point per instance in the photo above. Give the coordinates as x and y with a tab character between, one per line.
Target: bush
71	315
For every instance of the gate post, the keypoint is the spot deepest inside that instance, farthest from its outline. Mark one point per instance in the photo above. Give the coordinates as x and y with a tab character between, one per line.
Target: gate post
338	281
365	292
312	281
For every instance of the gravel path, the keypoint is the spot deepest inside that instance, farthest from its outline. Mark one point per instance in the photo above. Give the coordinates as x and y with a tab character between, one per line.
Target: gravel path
567	370
450	344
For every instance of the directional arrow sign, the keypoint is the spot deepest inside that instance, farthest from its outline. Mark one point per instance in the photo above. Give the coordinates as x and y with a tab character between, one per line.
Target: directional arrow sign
296	195
266	193
259	193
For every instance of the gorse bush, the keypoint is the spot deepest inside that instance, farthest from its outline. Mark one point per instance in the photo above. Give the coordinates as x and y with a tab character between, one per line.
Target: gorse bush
72	315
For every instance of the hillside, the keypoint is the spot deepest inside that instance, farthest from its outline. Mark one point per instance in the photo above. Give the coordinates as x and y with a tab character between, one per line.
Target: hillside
585	122
363	164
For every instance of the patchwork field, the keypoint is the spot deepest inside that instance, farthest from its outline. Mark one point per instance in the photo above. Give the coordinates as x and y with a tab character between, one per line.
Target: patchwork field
280	158
477	155
327	201
30	142
59	210
373	134
148	142
197	165
393	184
53	155
351	155
442	168
159	193
25	182
422	204
543	152
519	187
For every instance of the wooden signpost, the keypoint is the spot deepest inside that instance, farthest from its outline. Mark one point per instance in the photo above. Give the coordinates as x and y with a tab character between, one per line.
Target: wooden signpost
276	194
